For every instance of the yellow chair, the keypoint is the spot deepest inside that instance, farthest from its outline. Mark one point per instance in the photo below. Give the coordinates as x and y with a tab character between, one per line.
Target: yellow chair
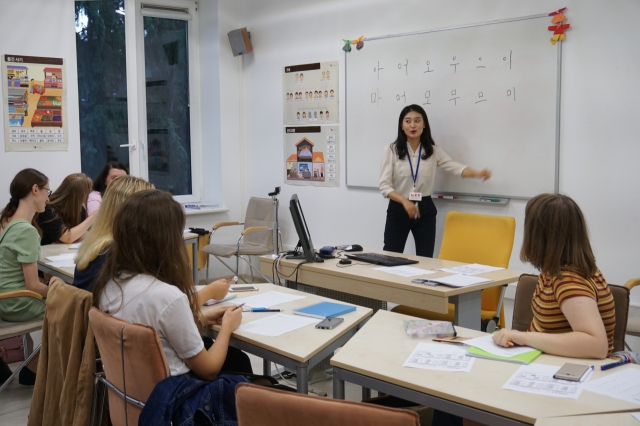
633	323
474	238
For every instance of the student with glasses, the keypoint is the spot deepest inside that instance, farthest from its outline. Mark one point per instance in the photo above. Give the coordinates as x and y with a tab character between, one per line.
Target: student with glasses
20	252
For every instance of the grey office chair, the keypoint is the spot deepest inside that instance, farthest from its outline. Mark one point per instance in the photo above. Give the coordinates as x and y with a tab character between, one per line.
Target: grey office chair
255	239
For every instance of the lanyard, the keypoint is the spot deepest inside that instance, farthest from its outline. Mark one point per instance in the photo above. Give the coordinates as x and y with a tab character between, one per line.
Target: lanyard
415	176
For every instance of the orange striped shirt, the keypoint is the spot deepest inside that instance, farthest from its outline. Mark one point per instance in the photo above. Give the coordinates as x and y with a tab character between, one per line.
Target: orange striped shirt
552	292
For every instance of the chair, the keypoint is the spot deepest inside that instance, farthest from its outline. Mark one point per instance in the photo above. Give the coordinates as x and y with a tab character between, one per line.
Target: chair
633	323
263	406
260	216
13	329
474	238
133	361
523	315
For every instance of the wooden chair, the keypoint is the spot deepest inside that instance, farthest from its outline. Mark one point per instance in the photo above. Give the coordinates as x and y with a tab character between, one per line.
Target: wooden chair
523	315
260	216
13	329
633	323
263	406
136	346
474	238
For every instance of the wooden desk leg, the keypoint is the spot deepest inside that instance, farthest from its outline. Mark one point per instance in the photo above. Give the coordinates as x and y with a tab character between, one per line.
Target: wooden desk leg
302	381
468	309
266	367
194	261
338	388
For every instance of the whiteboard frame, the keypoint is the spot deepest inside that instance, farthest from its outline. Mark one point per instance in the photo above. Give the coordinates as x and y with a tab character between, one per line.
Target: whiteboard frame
556	184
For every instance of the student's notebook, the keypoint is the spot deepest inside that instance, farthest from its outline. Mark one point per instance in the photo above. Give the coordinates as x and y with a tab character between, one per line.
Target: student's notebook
229	296
324	310
525	358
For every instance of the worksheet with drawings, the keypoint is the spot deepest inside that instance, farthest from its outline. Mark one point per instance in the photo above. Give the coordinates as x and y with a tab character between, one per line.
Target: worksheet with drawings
490	92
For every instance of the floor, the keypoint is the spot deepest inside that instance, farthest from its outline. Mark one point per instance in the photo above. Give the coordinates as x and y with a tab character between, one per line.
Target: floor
16	399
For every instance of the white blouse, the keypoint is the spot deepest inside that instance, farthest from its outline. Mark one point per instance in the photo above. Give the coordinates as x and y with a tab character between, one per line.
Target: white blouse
395	174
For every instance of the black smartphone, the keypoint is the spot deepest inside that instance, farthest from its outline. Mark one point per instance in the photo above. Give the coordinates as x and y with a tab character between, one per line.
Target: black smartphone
329	323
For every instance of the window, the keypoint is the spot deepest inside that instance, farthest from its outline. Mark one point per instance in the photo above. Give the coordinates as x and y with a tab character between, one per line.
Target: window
139	111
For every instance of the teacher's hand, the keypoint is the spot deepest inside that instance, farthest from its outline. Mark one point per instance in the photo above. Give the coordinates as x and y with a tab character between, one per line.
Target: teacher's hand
484	174
412	210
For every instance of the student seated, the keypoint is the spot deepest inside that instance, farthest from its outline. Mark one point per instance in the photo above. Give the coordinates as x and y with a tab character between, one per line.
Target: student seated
573	309
19	254
109	172
146	279
64	219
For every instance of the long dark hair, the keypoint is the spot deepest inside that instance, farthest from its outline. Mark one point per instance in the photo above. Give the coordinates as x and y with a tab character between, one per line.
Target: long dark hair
20	187
555	236
99	182
140	246
425	138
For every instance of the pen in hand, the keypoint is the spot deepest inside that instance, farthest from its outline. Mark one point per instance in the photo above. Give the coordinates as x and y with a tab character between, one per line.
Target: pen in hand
238	306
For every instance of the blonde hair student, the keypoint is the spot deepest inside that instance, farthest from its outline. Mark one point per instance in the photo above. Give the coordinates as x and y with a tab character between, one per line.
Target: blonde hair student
92	252
65	218
573	309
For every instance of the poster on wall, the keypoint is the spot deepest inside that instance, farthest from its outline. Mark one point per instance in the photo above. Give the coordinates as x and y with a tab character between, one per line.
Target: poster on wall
35	103
312	155
310	93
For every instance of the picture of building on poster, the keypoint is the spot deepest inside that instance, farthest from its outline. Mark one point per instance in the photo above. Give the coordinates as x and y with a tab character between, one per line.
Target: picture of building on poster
312	155
34	96
311	93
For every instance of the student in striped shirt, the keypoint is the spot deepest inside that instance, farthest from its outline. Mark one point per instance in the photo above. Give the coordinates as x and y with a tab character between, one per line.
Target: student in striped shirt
573	309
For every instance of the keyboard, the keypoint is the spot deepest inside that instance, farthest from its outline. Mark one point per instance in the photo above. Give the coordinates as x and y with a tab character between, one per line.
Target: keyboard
381	259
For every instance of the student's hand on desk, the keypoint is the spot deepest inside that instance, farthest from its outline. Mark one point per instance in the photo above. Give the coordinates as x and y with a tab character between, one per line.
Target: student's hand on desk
213	316
219	288
411	209
232	318
504	336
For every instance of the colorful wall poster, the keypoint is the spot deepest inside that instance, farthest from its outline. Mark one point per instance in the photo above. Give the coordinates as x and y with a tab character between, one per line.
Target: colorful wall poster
312	155
310	93
35	103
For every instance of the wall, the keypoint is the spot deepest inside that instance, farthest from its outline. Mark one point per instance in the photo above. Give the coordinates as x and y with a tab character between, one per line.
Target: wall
600	101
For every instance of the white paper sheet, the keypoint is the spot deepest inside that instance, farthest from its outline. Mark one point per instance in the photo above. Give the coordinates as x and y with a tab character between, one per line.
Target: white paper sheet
75	246
62	264
443	357
268	299
277	325
404	271
228	297
486	344
636	416
538	379
471	269
60	257
624	385
460	280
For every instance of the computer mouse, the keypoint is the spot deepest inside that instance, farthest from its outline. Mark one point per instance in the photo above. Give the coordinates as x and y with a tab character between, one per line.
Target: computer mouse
344	261
354	247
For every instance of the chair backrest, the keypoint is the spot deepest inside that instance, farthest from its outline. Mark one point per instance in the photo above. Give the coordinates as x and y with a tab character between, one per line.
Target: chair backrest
262	406
259	213
144	362
479	238
522	313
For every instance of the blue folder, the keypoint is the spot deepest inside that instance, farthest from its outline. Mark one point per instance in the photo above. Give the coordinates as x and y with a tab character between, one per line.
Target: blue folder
324	310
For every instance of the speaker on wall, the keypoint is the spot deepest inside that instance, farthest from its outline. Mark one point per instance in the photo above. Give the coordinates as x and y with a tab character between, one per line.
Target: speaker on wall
240	42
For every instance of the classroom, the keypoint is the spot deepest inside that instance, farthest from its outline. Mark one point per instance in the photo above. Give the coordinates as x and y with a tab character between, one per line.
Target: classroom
237	136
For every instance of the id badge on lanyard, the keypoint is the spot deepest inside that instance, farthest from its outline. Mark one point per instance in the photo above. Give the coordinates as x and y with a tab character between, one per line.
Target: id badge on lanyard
414	195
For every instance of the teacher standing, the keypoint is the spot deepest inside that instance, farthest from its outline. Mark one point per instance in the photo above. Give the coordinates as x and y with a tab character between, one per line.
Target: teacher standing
407	174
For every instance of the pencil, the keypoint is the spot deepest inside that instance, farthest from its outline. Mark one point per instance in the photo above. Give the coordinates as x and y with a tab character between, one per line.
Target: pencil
510	343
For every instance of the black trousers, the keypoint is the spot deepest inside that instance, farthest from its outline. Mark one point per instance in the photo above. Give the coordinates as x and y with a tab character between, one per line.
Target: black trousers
423	229
236	360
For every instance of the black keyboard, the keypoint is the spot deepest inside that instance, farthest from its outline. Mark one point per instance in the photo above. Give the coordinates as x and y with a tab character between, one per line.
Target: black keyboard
381	259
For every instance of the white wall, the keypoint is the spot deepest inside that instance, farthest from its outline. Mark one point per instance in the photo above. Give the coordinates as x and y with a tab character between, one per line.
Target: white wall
600	104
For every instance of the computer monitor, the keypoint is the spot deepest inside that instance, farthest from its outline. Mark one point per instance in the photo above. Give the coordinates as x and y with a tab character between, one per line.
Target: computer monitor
302	230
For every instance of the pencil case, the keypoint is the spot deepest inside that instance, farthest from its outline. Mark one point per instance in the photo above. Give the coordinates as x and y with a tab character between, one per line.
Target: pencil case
420	329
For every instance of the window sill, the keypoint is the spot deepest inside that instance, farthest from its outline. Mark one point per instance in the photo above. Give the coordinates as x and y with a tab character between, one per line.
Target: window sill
195	212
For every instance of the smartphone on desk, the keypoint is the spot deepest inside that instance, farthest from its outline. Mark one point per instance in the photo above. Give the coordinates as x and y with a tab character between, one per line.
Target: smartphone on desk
571	372
239	288
329	323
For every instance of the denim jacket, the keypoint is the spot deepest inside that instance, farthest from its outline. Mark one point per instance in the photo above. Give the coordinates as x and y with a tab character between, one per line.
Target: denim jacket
188	401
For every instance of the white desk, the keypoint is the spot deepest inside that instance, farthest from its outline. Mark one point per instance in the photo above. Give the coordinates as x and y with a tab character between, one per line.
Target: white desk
66	274
300	349
618	419
363	280
374	358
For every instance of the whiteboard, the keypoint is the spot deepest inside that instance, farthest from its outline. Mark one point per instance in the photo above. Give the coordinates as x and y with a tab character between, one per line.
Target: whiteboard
491	92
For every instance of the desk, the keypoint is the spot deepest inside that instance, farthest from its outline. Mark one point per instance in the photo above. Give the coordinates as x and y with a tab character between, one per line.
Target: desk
374	358
363	280
618	419
298	350
66	274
